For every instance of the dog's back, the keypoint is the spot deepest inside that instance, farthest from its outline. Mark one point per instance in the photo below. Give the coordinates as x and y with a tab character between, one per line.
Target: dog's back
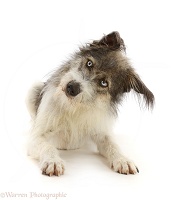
34	97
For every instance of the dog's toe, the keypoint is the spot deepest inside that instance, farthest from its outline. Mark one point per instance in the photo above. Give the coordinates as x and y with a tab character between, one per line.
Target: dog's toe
51	168
124	166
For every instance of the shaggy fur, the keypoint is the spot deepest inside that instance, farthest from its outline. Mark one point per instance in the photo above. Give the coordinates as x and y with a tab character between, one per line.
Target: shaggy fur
79	102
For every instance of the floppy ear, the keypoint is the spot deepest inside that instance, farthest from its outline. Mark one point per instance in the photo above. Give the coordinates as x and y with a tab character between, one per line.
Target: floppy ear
112	40
134	82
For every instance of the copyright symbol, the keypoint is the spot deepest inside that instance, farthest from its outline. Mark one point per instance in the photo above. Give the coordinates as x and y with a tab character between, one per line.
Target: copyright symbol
2	195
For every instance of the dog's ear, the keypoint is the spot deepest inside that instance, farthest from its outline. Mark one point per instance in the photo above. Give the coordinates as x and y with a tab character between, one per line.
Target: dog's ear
112	40
134	82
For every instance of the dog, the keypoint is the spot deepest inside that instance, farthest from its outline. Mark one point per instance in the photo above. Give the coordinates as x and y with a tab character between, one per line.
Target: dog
79	102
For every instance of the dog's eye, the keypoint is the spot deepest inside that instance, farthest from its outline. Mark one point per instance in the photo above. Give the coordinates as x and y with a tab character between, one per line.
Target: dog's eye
103	83
89	64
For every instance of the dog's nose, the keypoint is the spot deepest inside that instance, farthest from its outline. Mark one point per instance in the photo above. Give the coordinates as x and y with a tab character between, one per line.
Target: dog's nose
73	88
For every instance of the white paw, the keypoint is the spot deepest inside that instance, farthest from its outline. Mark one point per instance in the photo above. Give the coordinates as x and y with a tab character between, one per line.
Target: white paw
124	166
53	167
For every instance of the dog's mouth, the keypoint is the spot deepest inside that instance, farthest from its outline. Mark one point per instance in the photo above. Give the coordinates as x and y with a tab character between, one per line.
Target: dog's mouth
73	88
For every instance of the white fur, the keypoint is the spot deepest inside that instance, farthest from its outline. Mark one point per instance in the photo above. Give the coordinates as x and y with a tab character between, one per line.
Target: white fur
63	122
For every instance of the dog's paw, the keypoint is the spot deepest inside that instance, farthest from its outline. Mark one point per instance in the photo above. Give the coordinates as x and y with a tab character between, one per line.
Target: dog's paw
51	168
124	166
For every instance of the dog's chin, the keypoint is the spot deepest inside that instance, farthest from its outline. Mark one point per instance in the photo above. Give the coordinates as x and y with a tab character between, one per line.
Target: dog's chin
83	98
75	99
80	99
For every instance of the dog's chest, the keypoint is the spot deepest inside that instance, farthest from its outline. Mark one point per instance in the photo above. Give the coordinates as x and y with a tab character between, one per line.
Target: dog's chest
69	133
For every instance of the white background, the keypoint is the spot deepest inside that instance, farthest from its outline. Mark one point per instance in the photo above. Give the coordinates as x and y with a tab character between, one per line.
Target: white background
35	37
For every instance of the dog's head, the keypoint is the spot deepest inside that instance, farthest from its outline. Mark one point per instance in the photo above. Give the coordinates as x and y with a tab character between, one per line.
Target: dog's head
99	73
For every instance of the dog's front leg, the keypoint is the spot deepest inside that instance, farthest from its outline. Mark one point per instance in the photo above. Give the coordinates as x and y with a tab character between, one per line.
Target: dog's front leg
47	154
110	150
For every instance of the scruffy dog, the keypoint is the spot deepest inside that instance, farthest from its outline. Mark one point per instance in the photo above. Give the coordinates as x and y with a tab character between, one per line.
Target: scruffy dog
79	102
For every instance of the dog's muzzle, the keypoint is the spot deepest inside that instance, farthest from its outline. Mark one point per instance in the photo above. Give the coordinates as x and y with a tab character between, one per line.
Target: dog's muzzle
73	88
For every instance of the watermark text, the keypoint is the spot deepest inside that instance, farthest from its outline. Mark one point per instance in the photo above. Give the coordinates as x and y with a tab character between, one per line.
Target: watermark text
33	195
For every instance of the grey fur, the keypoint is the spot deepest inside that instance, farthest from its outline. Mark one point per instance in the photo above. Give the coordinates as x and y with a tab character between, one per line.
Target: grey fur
112	65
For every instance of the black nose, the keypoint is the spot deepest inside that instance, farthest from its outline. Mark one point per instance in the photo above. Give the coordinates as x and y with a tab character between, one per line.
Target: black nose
73	88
